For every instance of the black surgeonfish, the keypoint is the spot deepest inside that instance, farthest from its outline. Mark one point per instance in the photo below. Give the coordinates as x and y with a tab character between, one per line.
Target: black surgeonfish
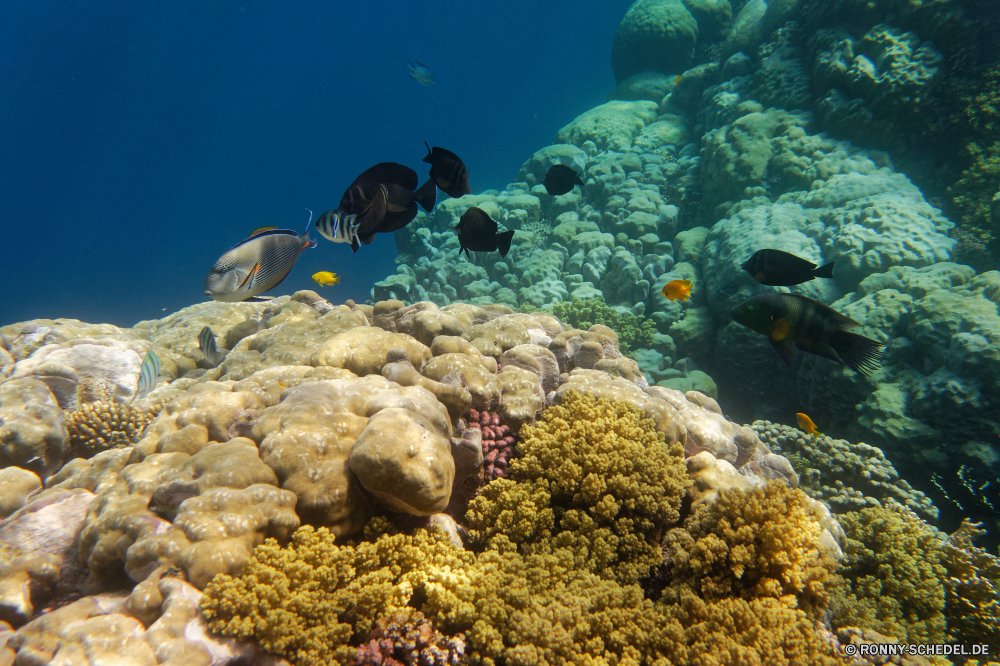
382	199
448	171
560	179
477	231
813	327
781	269
256	264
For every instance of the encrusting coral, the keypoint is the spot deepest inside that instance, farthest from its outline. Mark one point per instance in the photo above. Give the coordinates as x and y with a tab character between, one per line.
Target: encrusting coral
101	425
633	332
894	578
594	476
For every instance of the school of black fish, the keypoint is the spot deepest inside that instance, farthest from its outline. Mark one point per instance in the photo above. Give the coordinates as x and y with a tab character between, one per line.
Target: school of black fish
386	197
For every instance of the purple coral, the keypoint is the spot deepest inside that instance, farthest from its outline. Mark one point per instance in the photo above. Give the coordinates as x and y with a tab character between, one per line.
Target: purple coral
406	637
498	442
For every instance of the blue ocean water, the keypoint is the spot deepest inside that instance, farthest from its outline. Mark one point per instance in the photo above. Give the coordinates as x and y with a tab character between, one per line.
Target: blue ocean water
139	141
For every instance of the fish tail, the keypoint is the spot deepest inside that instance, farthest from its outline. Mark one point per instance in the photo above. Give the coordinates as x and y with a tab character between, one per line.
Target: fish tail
308	222
503	242
825	271
426	196
859	353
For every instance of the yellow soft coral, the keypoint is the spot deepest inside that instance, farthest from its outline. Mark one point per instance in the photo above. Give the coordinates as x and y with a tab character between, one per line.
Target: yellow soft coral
311	600
972	588
894	576
593	476
755	544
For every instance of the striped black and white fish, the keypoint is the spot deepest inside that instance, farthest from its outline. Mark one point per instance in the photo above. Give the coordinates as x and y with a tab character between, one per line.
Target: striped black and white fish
206	343
257	264
149	372
383	199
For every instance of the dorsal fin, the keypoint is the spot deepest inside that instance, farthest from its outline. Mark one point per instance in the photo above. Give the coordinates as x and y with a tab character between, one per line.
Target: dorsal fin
260	231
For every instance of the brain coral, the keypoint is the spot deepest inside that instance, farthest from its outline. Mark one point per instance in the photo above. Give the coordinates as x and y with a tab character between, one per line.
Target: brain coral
593	475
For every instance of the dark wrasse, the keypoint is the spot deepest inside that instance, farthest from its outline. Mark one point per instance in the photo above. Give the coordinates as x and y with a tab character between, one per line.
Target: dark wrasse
812	326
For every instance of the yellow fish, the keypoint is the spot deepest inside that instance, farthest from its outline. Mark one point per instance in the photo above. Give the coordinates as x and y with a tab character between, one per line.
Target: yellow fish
677	290
326	278
806	424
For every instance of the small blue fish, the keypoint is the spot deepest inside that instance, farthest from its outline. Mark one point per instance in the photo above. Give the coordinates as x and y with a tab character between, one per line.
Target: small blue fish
420	73
206	343
149	372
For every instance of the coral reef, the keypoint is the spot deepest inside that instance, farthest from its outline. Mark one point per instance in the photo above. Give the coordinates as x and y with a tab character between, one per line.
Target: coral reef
846	476
591	475
633	332
100	425
497	442
894	579
972	587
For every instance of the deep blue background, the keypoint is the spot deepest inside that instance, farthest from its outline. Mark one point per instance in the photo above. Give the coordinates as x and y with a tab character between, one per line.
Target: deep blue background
138	141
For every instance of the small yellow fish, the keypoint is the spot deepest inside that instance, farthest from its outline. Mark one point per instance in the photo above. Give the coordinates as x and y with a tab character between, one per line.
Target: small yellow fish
677	79
326	278
806	424
677	290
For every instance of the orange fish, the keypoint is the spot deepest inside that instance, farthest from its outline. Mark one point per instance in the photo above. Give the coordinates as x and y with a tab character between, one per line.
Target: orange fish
677	290
677	79
806	424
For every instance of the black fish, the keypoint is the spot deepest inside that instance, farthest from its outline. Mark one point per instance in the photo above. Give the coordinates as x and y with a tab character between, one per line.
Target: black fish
560	179
477	231
813	327
381	200
448	171
781	269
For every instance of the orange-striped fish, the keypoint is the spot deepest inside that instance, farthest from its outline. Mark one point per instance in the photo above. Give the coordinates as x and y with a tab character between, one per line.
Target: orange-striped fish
806	424
677	290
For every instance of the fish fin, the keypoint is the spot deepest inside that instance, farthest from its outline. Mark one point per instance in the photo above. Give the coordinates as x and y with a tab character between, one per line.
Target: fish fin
820	349
355	244
503	242
862	355
779	329
250	276
825	271
429	159
784	350
260	230
426	196
257	299
375	212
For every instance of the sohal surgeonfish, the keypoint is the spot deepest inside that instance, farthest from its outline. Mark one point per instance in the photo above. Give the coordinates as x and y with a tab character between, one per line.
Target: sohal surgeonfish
448	171
477	231
781	269
812	326
420	73
382	199
560	179
256	264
